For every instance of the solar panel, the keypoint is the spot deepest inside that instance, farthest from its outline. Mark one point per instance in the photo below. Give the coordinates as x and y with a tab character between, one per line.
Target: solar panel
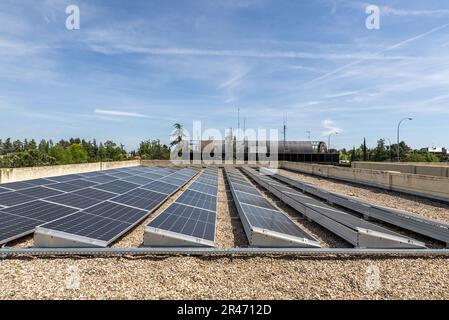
82	183
265	225
204	188
161	187
94	194
63	186
73	200
191	221
152	175
120	175
174	181
137	202
3	190
66	178
13	198
39	192
118	187
17	185
101	179
271	220
128	207
40	210
100	230
213	182
117	212
254	200
198	199
92	174
40	182
13	226
138	180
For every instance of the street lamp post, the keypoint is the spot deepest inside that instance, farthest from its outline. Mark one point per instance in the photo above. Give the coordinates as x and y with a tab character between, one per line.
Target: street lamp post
399	126
329	139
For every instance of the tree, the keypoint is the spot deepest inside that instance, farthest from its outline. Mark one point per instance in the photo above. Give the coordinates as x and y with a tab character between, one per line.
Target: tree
31	145
60	154
43	146
77	153
380	153
17	146
416	156
365	151
7	146
153	150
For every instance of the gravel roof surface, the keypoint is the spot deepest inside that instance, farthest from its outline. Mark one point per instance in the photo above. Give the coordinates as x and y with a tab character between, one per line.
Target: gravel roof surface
264	277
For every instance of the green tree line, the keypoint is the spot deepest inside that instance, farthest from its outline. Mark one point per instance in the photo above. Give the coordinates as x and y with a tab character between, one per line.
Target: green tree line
28	153
385	152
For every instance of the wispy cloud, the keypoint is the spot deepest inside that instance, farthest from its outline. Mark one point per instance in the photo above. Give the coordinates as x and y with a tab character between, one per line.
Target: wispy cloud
330	127
116	113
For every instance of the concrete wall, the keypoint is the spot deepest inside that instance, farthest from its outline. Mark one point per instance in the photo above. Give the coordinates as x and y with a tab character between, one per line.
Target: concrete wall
415	184
20	174
439	169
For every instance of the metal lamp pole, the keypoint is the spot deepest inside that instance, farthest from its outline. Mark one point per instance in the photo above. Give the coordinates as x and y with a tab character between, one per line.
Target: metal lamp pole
399	126
329	140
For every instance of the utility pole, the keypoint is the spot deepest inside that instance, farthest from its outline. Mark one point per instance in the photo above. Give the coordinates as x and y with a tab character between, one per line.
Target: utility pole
308	134
285	130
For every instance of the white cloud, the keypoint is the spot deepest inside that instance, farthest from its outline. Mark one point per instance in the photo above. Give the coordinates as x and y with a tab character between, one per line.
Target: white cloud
117	113
330	127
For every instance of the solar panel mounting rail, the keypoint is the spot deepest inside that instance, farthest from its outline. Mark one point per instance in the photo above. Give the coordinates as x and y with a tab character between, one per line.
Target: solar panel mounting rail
358	232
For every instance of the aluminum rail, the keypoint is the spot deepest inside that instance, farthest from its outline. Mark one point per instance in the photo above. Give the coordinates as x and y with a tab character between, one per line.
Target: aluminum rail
100	252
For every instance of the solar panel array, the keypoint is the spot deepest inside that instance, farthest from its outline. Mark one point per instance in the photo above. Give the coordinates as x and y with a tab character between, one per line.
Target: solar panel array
54	201
258	214
357	231
191	219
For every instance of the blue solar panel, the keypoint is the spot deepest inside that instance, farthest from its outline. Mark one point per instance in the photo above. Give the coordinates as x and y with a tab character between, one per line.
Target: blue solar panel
13	198
73	200
39	192
117	212
40	210
118	187
102	179
94	194
198	199
161	187
13	226
17	185
63	186
187	220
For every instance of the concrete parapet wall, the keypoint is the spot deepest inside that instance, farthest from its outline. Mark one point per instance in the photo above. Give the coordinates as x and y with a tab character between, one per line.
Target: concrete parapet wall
415	184
20	174
436	169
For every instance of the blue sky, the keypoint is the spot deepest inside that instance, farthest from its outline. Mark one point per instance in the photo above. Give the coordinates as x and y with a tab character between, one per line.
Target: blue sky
136	67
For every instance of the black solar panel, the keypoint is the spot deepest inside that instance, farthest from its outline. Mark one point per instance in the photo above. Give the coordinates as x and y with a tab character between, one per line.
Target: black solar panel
40	210
161	187
198	199
12	226
39	192
63	186
117	212
187	220
137	202
118	187
254	200
272	220
3	190
40	182
82	183
90	226
66	178
13	198
94	194
205	188
73	200
142	193
102	179
17	185
138	180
